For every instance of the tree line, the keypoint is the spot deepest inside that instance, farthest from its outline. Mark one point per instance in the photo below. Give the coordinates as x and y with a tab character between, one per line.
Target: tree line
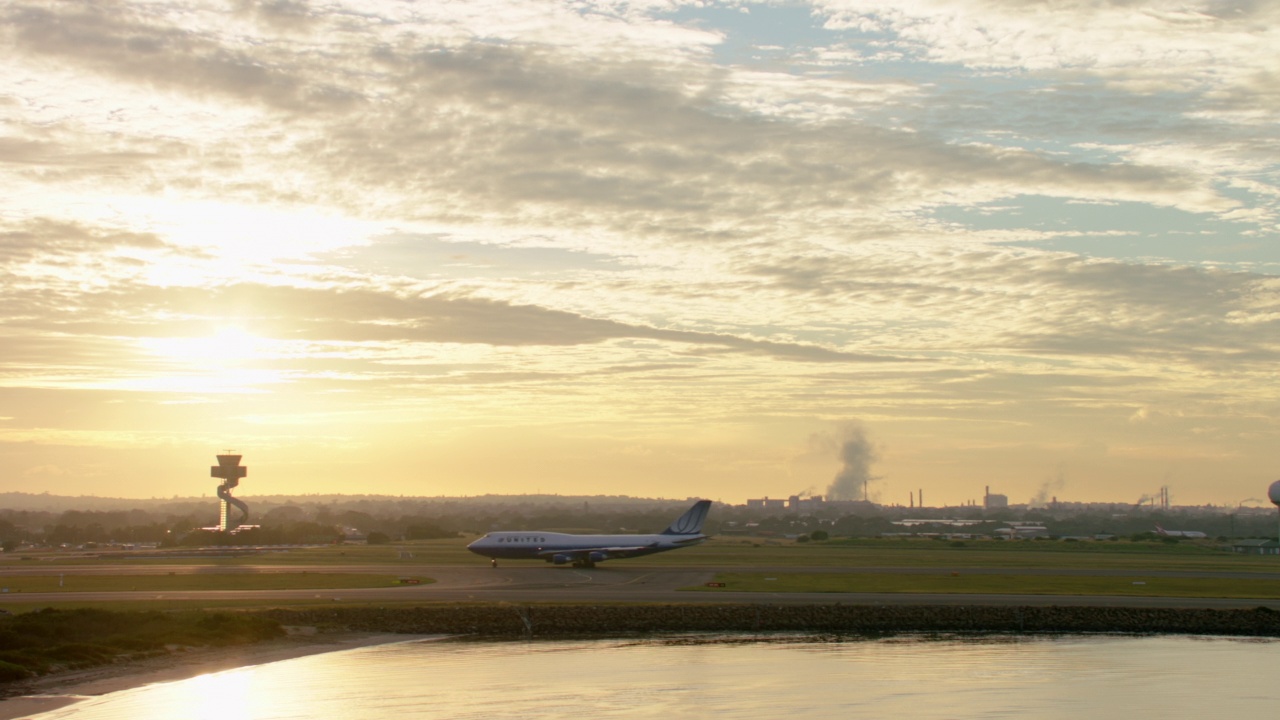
414	519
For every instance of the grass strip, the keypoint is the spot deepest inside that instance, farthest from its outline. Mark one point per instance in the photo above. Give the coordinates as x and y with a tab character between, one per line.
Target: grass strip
747	553
197	582
995	584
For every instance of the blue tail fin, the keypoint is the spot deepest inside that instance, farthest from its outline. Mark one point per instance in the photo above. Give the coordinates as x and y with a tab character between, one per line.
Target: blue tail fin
690	523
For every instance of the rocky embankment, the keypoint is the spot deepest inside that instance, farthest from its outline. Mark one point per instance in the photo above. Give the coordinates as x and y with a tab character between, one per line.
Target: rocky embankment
550	621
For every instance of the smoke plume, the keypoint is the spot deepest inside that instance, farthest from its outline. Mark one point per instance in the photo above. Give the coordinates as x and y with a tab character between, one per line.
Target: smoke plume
857	454
1056	483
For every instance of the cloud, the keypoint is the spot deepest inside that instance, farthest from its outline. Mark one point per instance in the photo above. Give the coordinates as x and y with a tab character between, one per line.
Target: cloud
530	136
129	43
640	155
1039	304
1163	43
44	471
44	237
358	315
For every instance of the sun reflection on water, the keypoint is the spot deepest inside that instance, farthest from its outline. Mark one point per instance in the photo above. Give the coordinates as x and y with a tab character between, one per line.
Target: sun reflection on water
218	696
727	678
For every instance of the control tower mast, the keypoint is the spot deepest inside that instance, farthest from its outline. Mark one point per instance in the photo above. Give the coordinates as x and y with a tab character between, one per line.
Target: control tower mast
229	471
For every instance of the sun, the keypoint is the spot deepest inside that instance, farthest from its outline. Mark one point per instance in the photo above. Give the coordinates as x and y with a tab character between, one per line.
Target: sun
228	345
231	359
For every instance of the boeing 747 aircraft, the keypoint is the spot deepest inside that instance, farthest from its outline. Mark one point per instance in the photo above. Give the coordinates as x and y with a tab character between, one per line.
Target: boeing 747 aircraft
587	550
1179	533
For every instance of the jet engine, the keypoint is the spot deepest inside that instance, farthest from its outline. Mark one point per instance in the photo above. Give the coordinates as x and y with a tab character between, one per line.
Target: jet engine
561	559
596	557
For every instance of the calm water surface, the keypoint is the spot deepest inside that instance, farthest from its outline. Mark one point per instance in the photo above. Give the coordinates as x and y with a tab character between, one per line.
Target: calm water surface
734	677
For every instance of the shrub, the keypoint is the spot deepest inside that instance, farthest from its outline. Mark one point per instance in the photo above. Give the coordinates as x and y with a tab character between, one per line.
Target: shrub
80	654
40	641
10	672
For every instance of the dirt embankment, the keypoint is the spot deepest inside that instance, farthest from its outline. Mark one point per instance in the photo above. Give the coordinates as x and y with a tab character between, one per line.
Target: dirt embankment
586	620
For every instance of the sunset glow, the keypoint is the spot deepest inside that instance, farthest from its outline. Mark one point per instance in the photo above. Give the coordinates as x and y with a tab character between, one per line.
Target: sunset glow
656	248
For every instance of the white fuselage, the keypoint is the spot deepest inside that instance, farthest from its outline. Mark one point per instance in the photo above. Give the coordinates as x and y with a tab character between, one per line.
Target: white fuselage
547	545
1181	533
587	550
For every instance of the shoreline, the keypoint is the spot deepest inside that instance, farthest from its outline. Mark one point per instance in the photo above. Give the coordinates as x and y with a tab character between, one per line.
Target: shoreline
317	631
585	620
50	692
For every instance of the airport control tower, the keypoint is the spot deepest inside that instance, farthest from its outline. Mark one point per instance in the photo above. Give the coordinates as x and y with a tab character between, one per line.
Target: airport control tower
229	471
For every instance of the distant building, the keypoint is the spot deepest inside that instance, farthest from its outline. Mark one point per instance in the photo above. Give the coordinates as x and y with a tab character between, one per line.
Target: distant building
946	522
1256	547
995	501
767	504
805	504
854	507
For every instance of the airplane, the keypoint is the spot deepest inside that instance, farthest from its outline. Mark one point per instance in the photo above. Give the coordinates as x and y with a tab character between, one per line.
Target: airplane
587	550
1023	531
1179	533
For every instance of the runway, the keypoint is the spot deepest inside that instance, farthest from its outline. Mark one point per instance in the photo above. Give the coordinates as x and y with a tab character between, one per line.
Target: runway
482	573
617	583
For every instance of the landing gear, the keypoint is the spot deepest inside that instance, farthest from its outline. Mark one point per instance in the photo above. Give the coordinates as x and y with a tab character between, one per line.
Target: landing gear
493	562
584	564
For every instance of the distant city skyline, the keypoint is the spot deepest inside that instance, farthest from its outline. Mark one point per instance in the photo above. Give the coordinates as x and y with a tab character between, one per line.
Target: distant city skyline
655	247
50	501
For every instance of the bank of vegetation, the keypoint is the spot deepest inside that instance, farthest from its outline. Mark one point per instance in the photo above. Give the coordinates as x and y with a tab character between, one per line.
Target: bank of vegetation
565	621
47	641
50	640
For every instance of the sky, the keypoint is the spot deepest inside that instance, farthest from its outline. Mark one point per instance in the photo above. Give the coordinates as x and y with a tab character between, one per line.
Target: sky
654	248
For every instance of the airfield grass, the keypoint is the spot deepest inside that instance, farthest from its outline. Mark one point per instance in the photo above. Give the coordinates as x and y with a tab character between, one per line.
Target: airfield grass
198	582
422	552
328	600
1205	556
990	554
959	583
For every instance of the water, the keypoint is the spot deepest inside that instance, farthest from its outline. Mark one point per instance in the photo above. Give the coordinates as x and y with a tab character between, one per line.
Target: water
733	677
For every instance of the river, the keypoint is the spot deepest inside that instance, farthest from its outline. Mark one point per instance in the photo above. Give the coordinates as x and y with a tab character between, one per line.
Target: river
733	677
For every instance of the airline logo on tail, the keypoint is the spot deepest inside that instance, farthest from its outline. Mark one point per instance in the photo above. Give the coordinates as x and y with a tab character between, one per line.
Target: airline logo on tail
690	523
